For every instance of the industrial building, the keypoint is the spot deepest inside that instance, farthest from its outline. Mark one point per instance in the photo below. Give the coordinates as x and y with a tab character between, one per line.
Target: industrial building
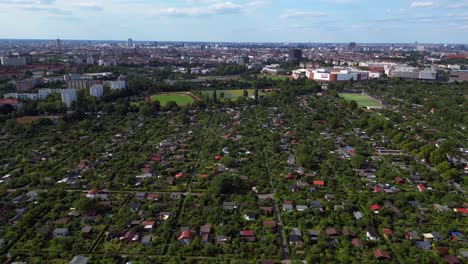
337	75
459	76
407	72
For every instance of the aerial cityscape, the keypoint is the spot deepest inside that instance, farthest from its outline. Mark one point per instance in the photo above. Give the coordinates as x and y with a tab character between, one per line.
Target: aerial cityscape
208	131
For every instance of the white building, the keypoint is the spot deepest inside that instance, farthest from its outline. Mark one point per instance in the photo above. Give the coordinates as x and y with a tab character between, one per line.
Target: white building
68	96
72	77
81	84
89	60
96	90
299	73
96	75
408	72
117	85
26	96
337	75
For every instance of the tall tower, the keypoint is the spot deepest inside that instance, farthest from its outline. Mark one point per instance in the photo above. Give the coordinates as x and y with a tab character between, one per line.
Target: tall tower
58	45
130	42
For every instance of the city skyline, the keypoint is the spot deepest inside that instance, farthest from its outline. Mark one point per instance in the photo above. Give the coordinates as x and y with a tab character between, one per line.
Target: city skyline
302	21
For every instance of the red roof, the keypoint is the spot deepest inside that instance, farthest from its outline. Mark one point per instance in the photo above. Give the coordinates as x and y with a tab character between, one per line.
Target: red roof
152	196
375	207
377	189
319	183
156	158
203	176
218	157
180	175
185	234
145	223
92	192
387	231
451	259
269	223
247	233
421	187
462	210
399	180
9	101
356	242
381	254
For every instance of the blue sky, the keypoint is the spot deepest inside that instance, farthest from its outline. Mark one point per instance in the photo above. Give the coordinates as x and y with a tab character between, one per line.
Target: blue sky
437	21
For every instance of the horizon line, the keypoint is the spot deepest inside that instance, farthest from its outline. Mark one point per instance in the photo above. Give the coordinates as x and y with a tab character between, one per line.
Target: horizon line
237	42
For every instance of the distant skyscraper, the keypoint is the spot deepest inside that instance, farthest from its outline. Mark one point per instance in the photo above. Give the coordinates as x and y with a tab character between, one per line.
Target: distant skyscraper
243	61
295	55
58	45
352	46
130	42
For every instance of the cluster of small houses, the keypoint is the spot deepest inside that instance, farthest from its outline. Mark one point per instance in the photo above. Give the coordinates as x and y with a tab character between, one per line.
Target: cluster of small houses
313	183
174	150
140	230
185	235
170	152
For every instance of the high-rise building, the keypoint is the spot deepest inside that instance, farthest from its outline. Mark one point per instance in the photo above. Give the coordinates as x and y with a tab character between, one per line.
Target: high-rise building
96	90
242	61
352	46
295	55
58	45
130	42
68	96
116	85
90	60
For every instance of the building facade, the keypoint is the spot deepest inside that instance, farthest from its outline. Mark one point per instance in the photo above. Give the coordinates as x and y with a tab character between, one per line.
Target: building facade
96	90
116	85
337	75
13	61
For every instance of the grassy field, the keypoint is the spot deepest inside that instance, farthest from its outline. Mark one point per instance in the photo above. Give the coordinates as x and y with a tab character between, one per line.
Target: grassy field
180	99
231	94
362	100
275	77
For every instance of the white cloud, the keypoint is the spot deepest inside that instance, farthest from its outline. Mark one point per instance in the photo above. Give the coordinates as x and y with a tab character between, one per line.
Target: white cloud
421	4
461	4
89	6
215	7
294	13
26	2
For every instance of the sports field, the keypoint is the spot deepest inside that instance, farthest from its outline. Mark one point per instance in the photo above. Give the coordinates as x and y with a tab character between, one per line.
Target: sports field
181	99
361	100
231	94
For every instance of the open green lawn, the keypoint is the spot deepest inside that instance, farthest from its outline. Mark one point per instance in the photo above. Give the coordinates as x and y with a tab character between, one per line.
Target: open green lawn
231	94
180	99
274	77
362	100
